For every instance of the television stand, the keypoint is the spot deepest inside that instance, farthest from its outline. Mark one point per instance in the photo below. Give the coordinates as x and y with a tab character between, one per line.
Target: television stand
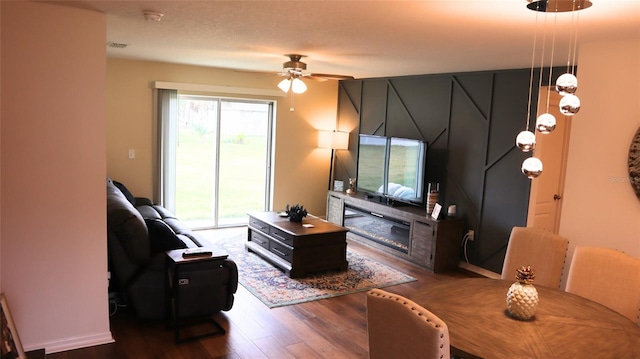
406	232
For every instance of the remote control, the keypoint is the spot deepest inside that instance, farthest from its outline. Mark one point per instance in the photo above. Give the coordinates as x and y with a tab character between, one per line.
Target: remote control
197	252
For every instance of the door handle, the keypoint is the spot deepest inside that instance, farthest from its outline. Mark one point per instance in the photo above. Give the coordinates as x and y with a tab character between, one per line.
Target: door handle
556	197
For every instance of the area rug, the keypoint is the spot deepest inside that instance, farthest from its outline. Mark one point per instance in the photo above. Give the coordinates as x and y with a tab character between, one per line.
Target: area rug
276	289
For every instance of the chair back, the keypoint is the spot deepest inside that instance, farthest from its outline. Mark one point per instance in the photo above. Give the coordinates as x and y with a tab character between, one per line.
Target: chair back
606	276
399	328
544	251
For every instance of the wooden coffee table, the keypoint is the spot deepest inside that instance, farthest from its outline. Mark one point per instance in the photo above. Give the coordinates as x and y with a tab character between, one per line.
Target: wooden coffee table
298	249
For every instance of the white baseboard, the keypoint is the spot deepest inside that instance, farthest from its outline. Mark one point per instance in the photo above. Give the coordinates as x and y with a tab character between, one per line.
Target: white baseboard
478	270
73	343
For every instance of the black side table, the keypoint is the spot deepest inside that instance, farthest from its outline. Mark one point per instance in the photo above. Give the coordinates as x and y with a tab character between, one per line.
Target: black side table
192	291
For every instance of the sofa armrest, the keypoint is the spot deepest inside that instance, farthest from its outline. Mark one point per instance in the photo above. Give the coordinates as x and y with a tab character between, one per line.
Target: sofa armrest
231	284
232	267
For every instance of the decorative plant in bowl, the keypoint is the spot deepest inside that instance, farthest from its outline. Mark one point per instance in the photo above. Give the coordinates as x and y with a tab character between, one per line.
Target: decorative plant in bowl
296	213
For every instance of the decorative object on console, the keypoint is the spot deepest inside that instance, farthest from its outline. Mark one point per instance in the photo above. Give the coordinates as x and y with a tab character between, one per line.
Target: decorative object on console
432	196
452	210
338	186
566	84
296	213
522	297
436	211
352	186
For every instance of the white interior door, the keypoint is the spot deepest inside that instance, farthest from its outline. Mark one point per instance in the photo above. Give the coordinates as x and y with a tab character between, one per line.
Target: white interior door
545	200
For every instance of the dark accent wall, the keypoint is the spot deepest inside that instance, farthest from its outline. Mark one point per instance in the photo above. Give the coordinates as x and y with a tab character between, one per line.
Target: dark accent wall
470	121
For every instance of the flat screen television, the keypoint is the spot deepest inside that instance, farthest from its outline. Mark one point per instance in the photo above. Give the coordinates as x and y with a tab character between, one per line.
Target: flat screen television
392	168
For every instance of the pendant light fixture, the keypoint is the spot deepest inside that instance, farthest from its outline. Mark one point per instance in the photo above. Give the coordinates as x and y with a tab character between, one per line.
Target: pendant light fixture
566	84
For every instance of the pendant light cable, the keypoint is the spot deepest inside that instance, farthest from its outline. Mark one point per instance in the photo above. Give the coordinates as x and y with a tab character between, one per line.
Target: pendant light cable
533	58
291	106
575	42
553	46
544	41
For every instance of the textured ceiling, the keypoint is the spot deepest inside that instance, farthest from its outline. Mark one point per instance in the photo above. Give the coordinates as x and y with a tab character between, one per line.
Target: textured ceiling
358	38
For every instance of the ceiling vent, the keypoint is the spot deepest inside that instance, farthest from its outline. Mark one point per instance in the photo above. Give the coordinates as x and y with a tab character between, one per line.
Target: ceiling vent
116	45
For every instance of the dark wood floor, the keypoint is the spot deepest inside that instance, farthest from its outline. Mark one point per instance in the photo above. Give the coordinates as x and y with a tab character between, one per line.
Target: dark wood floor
328	328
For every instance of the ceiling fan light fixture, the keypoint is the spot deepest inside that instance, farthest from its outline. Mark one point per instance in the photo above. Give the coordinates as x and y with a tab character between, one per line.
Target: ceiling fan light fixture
298	86
284	85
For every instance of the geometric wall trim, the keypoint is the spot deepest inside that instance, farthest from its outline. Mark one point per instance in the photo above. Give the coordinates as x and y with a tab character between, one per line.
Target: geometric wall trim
470	121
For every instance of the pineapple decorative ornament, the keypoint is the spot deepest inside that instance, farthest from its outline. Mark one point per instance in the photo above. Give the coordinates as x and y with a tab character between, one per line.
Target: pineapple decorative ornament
522	297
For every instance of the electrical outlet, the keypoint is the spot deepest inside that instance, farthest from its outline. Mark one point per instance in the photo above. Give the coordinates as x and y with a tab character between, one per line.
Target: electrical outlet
132	154
471	235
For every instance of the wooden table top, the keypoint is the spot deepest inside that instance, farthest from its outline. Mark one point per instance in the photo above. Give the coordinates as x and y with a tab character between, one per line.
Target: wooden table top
565	325
310	225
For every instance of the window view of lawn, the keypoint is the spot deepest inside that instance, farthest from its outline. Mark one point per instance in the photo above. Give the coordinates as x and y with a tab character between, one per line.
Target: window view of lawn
208	195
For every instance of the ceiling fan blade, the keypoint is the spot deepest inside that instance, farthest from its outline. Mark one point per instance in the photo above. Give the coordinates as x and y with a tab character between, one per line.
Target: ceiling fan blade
296	69
324	77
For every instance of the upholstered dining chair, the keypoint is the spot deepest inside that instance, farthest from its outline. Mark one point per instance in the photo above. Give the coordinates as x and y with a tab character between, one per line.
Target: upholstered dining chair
544	251
400	328
606	276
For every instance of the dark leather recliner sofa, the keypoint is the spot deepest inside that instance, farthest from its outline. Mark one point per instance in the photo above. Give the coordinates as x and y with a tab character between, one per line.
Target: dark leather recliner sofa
139	233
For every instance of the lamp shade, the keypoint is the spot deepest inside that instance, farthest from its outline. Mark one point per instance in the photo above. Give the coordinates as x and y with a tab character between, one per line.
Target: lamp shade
284	85
333	139
298	86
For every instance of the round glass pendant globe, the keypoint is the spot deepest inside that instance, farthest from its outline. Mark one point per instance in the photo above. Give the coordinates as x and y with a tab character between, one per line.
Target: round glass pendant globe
532	167
526	141
569	105
546	123
566	84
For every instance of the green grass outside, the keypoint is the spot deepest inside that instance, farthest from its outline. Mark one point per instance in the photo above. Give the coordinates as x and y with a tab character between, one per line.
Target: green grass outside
242	175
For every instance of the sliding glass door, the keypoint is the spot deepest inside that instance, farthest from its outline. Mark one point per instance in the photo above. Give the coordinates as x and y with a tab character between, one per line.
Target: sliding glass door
222	160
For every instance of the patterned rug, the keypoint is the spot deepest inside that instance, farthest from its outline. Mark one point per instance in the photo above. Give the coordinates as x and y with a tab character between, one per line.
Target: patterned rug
275	289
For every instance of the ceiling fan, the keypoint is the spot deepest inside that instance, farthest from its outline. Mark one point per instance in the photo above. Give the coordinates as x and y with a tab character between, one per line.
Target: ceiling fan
294	70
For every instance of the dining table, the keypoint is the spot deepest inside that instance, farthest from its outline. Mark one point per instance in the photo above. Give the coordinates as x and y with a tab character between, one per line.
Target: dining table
565	325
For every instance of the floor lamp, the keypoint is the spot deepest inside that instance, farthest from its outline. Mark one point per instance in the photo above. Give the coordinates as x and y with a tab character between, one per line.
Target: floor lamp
335	140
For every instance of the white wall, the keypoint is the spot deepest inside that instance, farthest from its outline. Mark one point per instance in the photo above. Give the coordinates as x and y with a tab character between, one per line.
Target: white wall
600	207
53	154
